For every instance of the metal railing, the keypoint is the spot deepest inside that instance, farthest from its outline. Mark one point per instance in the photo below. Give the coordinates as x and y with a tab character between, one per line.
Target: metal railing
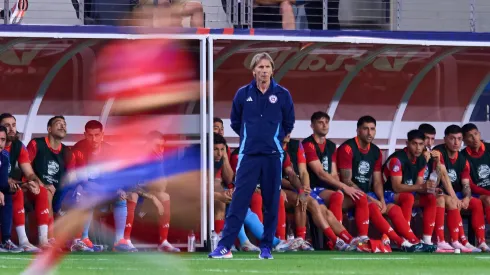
416	15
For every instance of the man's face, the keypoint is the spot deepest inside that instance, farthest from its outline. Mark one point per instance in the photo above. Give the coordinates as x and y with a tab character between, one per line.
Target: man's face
158	144
263	71
218	128
453	142
416	147
472	139
58	128
429	140
94	137
3	140
366	132
11	124
287	138
320	127
219	151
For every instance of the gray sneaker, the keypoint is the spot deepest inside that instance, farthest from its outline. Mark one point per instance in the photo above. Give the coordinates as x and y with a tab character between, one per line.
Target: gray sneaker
9	246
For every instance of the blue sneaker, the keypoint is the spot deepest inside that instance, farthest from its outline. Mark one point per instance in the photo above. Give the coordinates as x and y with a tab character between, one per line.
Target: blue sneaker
265	253
221	252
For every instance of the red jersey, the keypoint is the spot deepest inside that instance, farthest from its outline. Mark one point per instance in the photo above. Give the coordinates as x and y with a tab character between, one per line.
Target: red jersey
394	168
345	156
23	155
310	152
32	151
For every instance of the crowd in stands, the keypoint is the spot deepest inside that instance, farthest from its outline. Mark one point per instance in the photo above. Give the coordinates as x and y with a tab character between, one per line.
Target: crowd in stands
270	14
329	183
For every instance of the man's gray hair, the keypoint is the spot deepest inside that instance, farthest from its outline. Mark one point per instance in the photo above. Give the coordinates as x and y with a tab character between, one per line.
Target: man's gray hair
258	57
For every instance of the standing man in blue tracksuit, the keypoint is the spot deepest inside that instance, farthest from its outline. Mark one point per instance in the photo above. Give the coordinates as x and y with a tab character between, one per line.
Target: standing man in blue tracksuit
262	114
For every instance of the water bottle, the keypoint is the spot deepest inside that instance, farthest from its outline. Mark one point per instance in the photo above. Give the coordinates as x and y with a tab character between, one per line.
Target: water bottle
432	182
214	240
191	242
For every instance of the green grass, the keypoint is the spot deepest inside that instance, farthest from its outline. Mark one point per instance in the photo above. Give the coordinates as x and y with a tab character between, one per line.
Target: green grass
247	263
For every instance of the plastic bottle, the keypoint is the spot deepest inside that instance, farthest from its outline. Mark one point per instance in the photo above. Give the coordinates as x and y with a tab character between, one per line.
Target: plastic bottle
191	242
214	240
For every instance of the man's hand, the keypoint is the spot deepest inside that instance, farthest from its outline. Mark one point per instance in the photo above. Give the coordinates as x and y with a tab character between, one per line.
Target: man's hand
157	204
2	199
465	203
14	185
122	194
381	205
50	188
302	200
352	192
307	190
227	195
33	186
427	155
436	156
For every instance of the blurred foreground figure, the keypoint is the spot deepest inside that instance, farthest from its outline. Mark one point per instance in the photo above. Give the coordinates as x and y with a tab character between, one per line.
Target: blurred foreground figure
141	76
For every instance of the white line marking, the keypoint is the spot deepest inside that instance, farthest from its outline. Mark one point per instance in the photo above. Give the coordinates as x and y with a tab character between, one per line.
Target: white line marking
16	258
235	271
66	259
483	258
233	259
371	258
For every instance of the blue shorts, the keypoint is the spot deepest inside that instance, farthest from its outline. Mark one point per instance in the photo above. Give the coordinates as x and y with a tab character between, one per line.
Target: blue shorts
315	193
389	196
461	196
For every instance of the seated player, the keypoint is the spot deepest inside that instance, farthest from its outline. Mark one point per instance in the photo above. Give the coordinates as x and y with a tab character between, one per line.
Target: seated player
404	185
321	158
297	190
22	175
88	151
360	161
223	197
156	195
5	198
51	160
455	176
478	155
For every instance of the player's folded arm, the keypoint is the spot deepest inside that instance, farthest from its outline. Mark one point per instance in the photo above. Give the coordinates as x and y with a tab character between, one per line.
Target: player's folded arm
329	179
399	187
303	175
293	178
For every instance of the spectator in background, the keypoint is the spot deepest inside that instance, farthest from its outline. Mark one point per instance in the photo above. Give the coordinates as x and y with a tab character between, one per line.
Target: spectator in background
179	10
16	13
274	14
192	8
314	14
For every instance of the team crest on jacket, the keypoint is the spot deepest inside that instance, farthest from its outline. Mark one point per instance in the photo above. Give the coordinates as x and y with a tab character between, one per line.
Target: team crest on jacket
364	167
53	168
325	163
452	175
273	99
483	171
